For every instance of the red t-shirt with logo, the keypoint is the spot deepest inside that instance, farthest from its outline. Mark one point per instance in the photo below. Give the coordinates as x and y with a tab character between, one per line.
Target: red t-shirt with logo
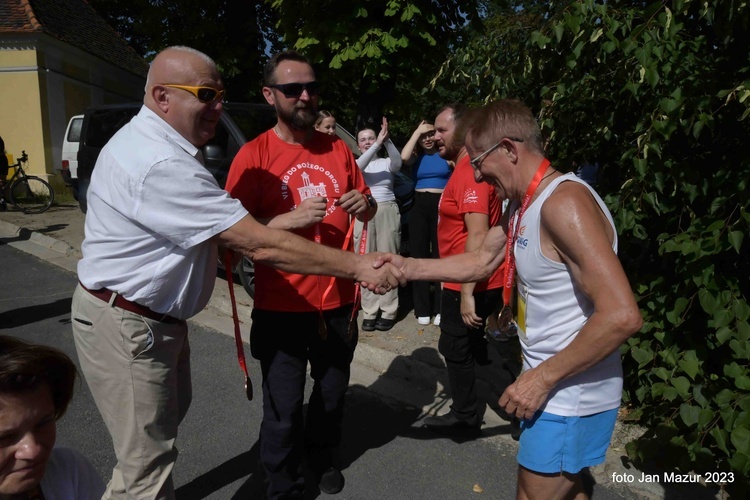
271	177
463	195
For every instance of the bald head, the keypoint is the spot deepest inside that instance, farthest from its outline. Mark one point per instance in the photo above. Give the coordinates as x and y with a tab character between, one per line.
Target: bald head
194	120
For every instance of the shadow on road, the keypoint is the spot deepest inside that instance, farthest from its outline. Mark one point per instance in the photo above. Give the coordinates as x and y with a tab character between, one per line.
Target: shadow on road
35	313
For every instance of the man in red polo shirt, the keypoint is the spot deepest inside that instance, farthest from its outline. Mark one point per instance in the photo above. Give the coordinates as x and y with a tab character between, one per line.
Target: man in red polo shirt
466	211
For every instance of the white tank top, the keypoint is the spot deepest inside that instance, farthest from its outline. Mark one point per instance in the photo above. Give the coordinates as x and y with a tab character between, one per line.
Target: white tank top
552	310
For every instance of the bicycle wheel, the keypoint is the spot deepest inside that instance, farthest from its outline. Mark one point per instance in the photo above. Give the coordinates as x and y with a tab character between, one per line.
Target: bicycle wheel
31	195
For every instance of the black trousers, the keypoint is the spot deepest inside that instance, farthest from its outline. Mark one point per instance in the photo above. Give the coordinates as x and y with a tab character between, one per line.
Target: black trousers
463	347
423	244
284	342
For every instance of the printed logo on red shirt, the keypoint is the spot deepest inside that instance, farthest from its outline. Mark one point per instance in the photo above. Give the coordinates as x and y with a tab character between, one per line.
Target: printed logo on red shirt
470	196
309	189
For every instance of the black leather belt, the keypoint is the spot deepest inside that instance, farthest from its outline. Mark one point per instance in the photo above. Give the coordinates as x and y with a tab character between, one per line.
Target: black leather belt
123	303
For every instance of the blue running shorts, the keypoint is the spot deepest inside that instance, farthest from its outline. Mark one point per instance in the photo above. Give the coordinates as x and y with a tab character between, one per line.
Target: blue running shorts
551	444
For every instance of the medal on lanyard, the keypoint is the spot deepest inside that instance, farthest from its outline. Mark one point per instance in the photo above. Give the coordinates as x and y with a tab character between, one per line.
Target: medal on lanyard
505	322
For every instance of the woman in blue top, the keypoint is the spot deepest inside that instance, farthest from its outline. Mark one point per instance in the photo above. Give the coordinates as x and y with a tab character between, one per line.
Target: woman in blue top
430	173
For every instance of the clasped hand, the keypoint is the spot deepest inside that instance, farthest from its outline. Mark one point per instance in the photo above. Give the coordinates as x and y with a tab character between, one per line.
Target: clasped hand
379	276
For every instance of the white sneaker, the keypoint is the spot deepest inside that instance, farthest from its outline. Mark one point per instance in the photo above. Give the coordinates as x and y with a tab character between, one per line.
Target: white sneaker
423	320
436	321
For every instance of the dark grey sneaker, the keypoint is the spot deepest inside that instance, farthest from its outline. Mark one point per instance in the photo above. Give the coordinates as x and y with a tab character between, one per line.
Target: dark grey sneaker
451	421
384	324
368	325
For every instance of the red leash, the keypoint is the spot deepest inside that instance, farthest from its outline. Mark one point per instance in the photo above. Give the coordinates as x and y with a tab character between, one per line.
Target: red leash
235	317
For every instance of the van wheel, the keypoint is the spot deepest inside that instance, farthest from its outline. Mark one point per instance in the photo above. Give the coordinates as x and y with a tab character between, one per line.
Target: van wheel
246	270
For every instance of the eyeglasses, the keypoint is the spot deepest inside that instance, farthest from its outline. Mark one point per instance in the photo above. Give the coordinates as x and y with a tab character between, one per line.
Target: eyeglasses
477	162
296	89
203	94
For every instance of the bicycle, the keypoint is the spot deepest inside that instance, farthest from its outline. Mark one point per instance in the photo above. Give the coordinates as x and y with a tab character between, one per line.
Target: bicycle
28	193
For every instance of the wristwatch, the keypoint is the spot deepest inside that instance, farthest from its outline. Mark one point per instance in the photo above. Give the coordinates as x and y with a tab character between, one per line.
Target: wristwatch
371	201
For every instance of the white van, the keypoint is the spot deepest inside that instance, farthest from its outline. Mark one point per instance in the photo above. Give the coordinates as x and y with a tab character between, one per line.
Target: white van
71	142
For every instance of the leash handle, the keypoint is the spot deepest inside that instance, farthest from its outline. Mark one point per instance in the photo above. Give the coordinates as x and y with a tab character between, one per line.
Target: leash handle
235	317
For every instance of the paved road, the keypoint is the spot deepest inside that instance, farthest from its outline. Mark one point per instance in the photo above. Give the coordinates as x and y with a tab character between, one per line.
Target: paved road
387	453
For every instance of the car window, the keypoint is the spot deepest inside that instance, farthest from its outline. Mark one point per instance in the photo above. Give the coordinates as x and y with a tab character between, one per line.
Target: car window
74	132
104	124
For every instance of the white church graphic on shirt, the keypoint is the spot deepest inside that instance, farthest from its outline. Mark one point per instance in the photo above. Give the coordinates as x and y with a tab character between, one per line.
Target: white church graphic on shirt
310	190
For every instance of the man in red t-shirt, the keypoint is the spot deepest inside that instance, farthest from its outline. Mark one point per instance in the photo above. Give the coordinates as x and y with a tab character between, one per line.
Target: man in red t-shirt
466	211
295	178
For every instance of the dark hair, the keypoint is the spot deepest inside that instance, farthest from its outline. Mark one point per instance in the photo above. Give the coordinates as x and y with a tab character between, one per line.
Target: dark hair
457	108
269	70
24	367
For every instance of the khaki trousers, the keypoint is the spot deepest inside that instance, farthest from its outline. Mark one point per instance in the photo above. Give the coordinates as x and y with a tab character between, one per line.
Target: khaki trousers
383	235
138	371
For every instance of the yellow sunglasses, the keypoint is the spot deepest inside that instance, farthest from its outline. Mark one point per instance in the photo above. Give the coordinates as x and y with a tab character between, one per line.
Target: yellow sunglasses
203	94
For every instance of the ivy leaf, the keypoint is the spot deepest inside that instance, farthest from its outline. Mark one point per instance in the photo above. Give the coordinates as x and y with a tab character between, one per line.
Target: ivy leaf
723	334
689	414
742	383
642	356
735	239
682	385
720	436
690	364
705	417
707	301
740	461
559	29
740	438
675	315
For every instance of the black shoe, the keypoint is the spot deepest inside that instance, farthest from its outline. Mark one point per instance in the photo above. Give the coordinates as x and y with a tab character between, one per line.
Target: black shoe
450	421
384	324
369	325
332	481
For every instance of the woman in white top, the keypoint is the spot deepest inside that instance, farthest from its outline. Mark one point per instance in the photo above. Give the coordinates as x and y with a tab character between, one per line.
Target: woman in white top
384	230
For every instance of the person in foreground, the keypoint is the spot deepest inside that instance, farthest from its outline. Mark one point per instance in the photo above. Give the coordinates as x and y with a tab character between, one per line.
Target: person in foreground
576	304
296	178
156	217
36	385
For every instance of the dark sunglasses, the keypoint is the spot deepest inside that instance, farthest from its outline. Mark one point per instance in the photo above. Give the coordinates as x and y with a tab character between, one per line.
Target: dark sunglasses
296	89
203	94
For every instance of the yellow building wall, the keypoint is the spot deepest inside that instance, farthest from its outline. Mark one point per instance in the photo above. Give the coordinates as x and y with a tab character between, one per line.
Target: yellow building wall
20	99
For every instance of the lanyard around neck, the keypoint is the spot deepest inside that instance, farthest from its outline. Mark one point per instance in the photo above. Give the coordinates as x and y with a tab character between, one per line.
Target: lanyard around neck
515	219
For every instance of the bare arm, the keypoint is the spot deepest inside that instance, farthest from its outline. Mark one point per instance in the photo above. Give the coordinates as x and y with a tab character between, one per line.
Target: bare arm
574	231
291	253
408	153
477	225
477	265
